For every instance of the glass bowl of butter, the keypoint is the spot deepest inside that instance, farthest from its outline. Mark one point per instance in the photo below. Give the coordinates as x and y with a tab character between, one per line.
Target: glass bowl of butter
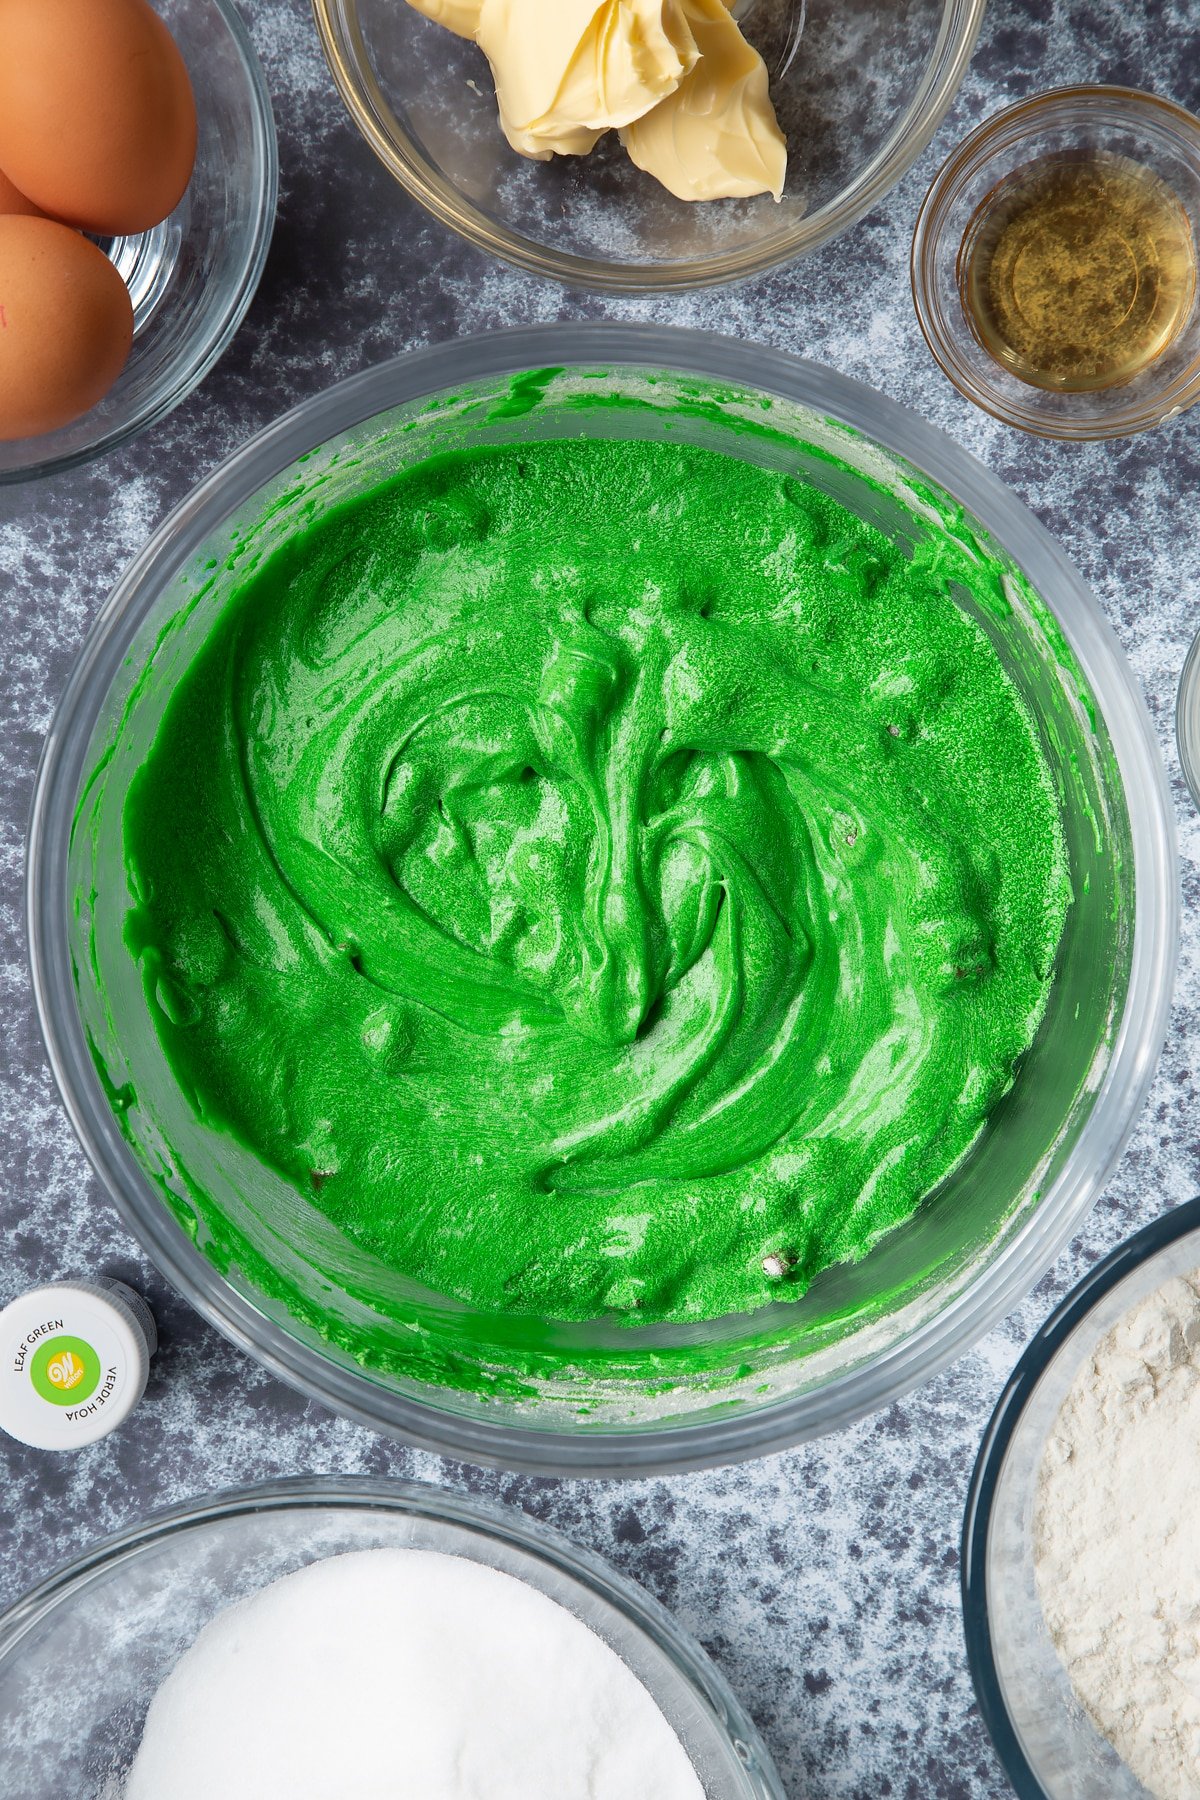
652	145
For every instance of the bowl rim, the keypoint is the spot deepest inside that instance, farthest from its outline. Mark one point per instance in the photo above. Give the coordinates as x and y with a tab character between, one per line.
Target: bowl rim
1108	1273
189	372
724	1437
1033	113
341	40
489	1518
1187	725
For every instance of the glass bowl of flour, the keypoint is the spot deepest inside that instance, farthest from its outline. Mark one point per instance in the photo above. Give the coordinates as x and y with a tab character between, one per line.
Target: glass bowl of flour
251	1681
1081	1561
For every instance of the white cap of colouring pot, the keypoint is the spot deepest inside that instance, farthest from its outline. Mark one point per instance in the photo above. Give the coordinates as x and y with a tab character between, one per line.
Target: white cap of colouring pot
74	1357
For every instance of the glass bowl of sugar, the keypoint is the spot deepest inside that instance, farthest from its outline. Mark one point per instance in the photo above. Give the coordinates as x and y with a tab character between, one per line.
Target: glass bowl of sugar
1080	1560
267	1626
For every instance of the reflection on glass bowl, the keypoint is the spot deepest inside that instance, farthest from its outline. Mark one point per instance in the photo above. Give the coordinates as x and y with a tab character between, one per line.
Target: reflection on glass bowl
1187	720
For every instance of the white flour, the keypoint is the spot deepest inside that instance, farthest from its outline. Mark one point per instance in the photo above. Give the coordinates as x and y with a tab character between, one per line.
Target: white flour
404	1675
1117	1538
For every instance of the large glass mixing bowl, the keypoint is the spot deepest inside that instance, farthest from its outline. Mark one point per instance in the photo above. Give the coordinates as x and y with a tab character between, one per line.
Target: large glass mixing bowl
608	1396
859	86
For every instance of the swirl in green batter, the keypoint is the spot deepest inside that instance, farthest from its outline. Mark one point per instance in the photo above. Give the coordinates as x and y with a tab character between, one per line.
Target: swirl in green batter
590	871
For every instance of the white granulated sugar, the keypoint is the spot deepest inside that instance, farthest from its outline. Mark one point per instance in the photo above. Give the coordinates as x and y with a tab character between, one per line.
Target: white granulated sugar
404	1675
1117	1538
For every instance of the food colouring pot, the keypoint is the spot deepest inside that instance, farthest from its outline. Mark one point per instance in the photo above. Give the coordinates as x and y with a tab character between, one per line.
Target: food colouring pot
609	1397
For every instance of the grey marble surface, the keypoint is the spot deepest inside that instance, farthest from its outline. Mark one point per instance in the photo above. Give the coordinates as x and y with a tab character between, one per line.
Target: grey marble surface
824	1581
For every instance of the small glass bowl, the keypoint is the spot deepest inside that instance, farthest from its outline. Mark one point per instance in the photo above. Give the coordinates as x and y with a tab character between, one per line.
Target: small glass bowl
82	1655
192	277
1152	132
1187	720
859	91
1049	1747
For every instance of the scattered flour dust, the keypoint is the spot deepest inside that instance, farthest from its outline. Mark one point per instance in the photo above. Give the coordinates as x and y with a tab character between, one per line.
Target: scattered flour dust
1117	1538
405	1675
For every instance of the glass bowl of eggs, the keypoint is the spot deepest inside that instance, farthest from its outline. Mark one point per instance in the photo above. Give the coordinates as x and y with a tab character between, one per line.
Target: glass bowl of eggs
761	130
124	287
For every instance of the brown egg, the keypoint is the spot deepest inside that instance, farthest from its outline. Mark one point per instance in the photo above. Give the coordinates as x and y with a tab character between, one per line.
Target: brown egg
97	118
12	200
66	325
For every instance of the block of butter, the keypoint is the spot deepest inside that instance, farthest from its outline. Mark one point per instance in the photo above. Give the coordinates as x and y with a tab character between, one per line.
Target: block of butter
716	136
676	77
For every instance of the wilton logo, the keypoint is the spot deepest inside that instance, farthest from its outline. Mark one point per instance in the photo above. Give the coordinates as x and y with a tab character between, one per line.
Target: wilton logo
65	1371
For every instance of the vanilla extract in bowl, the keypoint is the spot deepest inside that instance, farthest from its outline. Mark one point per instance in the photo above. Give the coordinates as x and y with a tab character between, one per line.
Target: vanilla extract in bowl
1078	270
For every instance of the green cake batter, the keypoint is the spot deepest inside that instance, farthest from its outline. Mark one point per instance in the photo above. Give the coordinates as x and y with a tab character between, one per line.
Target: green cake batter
604	878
